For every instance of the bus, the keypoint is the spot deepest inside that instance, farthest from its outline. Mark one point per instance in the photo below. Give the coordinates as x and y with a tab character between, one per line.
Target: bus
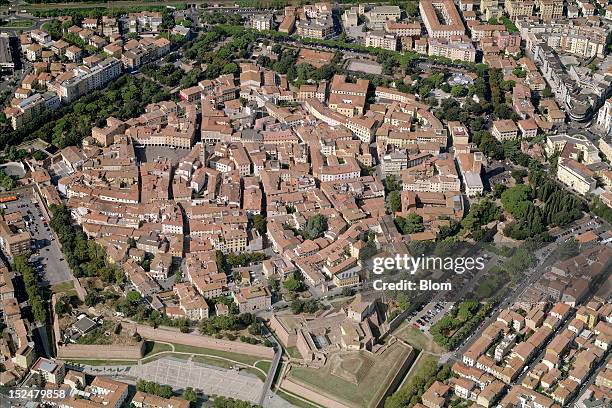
8	199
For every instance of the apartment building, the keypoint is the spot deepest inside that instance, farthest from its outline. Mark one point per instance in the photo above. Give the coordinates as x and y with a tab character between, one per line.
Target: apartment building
348	98
576	176
51	371
380	39
520	8
145	21
112	393
378	16
87	79
504	129
589	152
252	299
604	116
363	128
27	109
14	242
319	28
144	51
262	22
450	25
403	29
454	48
550	9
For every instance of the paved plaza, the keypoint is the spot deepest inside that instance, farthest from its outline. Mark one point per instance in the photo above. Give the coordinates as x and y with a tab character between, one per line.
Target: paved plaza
211	380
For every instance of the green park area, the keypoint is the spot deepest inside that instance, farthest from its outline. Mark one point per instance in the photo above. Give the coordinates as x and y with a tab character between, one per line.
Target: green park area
418	339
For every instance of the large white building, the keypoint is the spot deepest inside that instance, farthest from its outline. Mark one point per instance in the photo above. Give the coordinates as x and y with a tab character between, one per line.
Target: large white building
378	16
262	22
455	48
449	25
88	79
576	176
604	117
380	39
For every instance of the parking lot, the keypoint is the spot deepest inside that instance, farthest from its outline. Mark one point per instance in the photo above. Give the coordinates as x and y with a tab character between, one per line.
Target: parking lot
211	380
47	257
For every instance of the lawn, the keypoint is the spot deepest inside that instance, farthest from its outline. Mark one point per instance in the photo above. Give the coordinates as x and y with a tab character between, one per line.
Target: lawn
157	357
293	352
264	365
18	24
152	347
255	372
418	339
103	362
63	287
241	358
217	362
354	378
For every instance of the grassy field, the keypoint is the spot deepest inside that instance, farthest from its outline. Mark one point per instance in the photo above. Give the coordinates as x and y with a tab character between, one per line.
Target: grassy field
63	287
418	340
264	365
293	352
103	362
255	372
157	357
241	358
217	362
354	377
152	347
18	24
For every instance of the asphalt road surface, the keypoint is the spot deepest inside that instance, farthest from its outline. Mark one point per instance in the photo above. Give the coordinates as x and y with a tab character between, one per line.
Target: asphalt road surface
47	257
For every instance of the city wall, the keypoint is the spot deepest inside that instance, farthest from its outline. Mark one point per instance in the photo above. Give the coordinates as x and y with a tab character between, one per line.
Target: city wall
196	340
311	395
96	351
397	379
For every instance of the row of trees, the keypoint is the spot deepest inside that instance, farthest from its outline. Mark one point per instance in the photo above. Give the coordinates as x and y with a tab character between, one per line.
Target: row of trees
151	387
7	182
34	292
410	394
124	98
498	90
501	277
223	402
456	325
85	257
217	324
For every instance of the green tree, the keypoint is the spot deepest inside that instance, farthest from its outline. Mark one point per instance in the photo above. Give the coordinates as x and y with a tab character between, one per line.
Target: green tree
190	395
293	284
133	296
259	223
395	201
514	199
315	226
459	91
412	224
